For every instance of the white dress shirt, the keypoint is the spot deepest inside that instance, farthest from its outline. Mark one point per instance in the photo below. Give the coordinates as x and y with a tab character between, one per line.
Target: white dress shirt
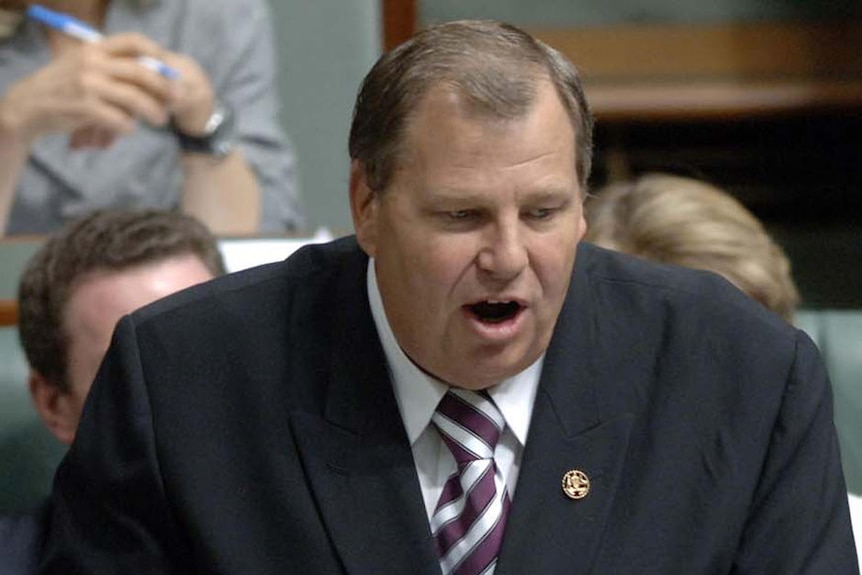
856	519
418	394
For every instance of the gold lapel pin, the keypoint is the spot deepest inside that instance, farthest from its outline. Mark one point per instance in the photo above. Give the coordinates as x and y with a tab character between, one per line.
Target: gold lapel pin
576	484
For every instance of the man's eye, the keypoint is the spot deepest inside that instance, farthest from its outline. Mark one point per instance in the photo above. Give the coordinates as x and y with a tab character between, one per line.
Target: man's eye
460	215
541	213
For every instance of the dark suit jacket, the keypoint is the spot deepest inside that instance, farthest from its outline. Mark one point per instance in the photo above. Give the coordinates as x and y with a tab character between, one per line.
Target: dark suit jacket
249	426
21	541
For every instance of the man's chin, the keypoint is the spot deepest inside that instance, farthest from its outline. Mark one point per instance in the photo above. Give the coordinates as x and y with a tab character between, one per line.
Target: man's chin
483	373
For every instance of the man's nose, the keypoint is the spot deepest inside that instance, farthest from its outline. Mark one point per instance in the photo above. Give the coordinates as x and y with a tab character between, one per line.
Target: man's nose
504	253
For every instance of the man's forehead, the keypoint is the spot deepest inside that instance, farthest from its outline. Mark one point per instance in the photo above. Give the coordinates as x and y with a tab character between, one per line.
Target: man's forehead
456	98
444	114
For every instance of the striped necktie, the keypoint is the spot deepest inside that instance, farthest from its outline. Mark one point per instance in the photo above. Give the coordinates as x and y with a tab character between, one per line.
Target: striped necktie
471	514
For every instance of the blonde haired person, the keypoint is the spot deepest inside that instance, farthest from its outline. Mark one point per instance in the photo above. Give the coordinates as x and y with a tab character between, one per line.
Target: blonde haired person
688	222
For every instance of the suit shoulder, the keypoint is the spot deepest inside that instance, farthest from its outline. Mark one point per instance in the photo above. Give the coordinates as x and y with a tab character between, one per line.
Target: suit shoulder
675	294
608	266
310	270
665	331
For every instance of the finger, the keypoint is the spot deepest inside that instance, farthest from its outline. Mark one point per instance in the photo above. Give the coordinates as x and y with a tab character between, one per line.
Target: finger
100	115
148	54
125	68
69	116
193	94
131	44
127	97
70	93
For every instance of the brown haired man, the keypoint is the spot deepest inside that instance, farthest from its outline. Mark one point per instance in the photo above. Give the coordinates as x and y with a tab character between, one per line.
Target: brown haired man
464	387
73	291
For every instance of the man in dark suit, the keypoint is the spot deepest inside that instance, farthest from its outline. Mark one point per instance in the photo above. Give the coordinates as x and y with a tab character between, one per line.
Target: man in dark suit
462	387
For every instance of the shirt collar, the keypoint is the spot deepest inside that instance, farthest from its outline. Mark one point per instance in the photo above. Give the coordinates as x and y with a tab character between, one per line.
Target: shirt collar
418	393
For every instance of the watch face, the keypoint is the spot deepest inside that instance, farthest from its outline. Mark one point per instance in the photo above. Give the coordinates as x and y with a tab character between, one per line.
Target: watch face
216	120
223	148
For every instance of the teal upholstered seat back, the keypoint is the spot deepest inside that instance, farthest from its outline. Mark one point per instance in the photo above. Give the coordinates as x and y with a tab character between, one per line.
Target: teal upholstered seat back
838	334
28	452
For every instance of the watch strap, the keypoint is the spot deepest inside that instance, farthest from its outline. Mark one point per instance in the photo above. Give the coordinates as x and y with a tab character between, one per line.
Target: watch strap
219	134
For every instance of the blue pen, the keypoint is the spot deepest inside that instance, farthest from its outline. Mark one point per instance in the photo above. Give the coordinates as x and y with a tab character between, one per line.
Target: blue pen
82	31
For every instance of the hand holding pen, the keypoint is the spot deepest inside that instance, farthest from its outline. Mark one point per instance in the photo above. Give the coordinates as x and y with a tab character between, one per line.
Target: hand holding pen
97	91
86	33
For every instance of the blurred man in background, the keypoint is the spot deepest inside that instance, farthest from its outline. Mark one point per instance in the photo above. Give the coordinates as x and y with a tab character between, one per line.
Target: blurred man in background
73	291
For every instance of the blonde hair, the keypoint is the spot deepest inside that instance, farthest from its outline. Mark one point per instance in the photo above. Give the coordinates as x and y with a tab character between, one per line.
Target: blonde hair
682	221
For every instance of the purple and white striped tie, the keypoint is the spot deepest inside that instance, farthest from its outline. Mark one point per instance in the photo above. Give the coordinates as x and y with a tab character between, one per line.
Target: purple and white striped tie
471	514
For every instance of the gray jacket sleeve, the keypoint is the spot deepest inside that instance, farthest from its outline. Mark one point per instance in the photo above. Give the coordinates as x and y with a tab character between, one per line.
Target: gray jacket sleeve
249	84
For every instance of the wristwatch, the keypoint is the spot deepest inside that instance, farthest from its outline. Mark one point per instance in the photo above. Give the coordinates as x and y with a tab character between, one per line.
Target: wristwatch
219	134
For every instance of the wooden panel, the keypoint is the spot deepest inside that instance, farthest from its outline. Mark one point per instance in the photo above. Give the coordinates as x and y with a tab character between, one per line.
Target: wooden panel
668	101
772	50
8	313
399	21
677	72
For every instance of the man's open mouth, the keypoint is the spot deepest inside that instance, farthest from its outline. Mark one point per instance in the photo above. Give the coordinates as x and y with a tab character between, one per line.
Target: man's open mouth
492	311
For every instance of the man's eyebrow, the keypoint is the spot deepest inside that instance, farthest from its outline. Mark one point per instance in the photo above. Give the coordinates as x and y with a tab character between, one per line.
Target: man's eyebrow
453	193
550	193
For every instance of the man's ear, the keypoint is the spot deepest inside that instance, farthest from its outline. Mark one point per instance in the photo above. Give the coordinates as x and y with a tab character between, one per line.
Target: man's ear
583	225
363	209
55	407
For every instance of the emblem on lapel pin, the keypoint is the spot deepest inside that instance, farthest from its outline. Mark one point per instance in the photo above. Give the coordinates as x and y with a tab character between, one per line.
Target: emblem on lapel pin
576	484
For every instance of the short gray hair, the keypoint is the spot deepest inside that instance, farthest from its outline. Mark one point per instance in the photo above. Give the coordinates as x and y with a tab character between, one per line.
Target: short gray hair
496	67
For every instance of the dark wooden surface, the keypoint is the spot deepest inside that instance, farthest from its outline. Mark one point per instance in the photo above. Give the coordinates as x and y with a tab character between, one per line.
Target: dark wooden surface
399	21
8	313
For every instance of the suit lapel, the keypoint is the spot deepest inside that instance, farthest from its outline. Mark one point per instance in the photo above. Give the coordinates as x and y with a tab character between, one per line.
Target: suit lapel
357	456
581	421
360	465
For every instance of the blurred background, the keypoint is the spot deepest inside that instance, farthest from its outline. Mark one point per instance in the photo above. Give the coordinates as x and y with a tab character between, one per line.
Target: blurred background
761	97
